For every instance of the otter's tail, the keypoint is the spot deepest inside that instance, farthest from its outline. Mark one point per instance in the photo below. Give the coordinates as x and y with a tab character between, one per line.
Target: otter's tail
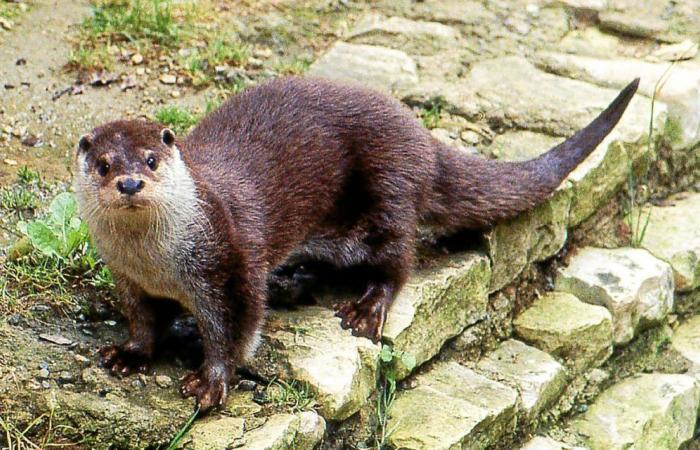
473	192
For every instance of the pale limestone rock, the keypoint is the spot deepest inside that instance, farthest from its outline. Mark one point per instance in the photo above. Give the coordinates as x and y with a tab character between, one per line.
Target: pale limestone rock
412	36
636	287
452	407
686	340
686	49
585	5
538	377
562	325
310	346
646	412
545	443
458	12
378	67
680	92
643	26
437	305
301	431
673	235
521	145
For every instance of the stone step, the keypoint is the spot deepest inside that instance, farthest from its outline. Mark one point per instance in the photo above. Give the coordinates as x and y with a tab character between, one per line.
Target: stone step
452	407
415	37
649	411
636	287
563	326
538	378
302	431
673	235
378	67
680	93
545	443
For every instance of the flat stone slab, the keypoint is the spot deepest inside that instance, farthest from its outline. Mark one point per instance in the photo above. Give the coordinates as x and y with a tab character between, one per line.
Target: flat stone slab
680	93
686	340
632	25
452	407
636	287
649	411
416	37
437	305
561	325
309	345
374	66
545	443
301	431
538	377
673	235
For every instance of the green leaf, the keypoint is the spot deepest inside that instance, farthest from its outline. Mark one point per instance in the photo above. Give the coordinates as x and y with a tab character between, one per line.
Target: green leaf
386	354
408	360
63	208
43	238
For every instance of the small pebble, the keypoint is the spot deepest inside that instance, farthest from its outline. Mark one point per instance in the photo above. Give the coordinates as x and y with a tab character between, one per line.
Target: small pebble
10	162
42	373
81	359
168	79
65	377
247	385
137	59
45	384
163	381
175	94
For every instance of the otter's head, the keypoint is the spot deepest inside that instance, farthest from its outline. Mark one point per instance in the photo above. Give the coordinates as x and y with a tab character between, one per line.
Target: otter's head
127	169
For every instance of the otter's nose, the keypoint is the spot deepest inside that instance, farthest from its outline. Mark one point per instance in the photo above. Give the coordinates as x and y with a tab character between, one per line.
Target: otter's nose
129	186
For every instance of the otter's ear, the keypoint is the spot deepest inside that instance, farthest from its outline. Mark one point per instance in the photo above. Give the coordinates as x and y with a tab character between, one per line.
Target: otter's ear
85	143
167	137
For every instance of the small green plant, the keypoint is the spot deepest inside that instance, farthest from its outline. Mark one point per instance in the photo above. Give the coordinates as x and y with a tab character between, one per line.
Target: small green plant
177	439
179	119
430	114
220	51
25	175
296	396
134	19
297	67
18	199
389	361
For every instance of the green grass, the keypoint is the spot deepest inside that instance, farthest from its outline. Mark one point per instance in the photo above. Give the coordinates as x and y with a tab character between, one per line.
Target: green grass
179	119
297	66
294	396
430	114
219	51
133	20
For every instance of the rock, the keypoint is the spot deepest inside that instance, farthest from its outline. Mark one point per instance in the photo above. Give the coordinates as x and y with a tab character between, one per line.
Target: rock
636	287
451	407
310	346
680	93
632	25
686	49
585	5
458	12
412	36
590	41
168	79
530	237
521	145
279	432
379	67
43	373
650	411
545	443
673	235
562	325
55	339
533	373
163	381
6	24
686	340
136	59
437	305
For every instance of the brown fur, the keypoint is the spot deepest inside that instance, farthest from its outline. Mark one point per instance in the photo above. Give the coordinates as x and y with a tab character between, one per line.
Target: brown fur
294	170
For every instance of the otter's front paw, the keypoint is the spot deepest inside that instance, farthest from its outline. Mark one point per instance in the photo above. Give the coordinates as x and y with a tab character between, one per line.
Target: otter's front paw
209	385
122	361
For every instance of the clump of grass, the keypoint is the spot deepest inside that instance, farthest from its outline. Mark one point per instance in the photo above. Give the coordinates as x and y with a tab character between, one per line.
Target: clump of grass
430	114
295	396
21	199
179	119
201	63
132	20
389	361
296	67
53	258
97	58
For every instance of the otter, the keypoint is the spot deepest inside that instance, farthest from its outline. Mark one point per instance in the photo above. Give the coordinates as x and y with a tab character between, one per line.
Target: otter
293	169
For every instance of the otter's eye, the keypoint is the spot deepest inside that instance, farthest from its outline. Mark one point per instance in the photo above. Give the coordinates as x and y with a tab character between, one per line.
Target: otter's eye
151	163
102	168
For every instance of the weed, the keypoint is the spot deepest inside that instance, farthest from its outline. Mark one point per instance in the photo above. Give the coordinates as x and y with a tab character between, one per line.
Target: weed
25	175
132	20
54	257
179	119
177	439
18	199
430	114
389	360
90	58
219	51
296	396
